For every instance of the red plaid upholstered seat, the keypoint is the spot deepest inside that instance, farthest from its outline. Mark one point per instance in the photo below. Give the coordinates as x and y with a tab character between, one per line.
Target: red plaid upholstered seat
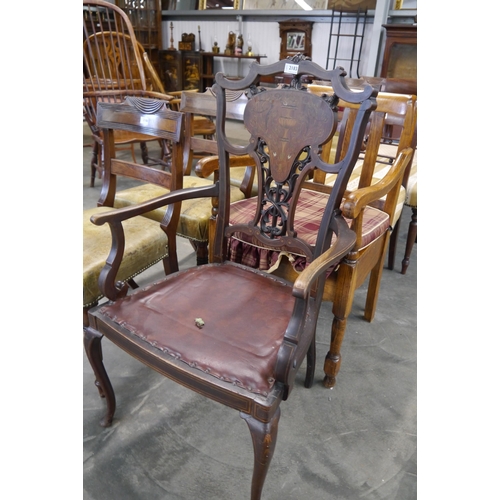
245	250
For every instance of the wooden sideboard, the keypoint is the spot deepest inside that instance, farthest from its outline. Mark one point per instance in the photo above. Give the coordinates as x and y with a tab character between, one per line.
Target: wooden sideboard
400	53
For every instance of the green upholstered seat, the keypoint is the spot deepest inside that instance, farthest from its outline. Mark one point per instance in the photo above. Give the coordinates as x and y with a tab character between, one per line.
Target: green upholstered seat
146	244
195	214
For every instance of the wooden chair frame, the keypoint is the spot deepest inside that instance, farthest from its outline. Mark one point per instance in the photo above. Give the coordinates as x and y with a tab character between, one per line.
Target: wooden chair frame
288	311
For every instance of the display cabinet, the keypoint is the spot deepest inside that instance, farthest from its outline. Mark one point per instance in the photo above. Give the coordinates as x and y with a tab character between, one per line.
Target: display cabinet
400	53
295	38
181	70
145	16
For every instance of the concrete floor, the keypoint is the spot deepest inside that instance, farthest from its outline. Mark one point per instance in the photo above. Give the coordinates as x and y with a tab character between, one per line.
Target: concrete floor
355	441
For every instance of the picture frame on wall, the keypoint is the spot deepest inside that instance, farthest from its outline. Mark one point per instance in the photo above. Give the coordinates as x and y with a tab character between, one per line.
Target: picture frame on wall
295	37
295	41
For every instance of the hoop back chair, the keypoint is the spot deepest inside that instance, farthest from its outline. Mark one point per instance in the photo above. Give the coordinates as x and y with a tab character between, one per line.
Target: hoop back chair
147	241
231	333
115	65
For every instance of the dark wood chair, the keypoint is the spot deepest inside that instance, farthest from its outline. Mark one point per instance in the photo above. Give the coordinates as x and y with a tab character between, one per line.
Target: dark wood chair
147	241
231	333
195	213
115	65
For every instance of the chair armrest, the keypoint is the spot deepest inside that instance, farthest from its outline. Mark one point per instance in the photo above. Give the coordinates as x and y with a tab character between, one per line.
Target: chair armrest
121	214
107	278
208	165
346	238
358	199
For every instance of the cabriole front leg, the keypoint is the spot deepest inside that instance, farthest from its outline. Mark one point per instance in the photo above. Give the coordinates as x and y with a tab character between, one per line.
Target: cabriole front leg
92	342
264	435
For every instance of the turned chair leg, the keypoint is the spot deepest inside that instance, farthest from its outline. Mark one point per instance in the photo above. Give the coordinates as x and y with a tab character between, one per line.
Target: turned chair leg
166	155
341	308
264	435
93	163
201	249
333	358
410	240
92	342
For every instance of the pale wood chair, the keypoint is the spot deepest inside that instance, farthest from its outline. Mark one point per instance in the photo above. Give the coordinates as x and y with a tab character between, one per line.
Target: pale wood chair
234	334
115	65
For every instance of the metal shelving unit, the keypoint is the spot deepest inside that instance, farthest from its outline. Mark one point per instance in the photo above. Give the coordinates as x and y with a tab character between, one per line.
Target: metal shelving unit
344	34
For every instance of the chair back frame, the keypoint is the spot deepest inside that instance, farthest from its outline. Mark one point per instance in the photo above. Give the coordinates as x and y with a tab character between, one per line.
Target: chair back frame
285	156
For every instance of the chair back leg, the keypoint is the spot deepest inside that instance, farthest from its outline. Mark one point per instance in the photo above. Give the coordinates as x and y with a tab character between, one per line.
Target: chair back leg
410	240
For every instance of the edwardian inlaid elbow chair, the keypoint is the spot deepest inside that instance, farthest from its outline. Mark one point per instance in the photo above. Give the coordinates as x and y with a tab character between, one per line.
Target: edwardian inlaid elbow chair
115	65
147	242
231	333
371	202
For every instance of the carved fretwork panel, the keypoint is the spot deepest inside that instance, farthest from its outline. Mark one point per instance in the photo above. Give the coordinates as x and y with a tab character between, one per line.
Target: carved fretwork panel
276	195
286	152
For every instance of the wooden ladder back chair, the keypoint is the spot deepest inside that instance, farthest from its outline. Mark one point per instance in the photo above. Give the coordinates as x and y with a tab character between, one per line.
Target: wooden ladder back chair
373	202
115	65
231	333
196	214
203	105
148	242
369	209
388	152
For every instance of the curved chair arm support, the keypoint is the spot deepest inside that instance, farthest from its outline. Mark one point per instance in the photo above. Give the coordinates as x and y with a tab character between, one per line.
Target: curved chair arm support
346	238
107	278
114	95
151	73
121	214
358	199
300	330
